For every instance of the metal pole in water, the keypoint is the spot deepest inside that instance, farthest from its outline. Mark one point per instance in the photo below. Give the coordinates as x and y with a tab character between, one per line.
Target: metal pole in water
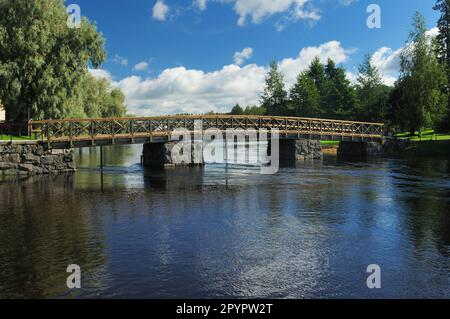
226	161
101	157
101	168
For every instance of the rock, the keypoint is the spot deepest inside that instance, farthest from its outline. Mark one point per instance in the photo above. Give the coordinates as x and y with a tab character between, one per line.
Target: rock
10	172
7	166
31	158
48	159
26	167
12	158
39	151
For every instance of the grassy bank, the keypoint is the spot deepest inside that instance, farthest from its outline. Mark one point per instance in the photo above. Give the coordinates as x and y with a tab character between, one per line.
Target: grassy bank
329	143
427	135
14	138
419	147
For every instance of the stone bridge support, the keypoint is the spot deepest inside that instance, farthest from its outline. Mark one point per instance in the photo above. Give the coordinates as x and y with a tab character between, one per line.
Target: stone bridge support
162	154
22	159
292	150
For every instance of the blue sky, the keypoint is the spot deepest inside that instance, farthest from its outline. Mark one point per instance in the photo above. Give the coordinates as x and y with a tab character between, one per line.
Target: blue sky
171	56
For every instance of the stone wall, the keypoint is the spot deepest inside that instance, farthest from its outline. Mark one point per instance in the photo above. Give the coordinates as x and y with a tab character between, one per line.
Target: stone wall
34	158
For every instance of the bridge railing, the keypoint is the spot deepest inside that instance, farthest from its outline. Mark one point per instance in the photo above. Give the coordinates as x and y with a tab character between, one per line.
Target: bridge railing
72	130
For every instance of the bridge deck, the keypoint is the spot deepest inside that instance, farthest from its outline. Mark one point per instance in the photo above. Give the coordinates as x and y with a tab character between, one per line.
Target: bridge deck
88	132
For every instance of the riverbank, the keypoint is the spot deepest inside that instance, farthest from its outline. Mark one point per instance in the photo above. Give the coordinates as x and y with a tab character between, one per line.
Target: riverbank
414	148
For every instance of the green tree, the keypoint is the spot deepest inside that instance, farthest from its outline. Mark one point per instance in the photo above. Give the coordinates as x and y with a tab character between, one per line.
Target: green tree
443	38
316	73
44	63
443	49
340	101
255	110
420	94
237	110
373	95
274	96
304	97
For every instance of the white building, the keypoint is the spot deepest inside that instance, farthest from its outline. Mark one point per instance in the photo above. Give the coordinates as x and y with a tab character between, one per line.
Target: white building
2	113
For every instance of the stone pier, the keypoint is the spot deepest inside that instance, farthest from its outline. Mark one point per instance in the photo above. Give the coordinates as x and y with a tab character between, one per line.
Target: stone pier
292	151
19	159
164	155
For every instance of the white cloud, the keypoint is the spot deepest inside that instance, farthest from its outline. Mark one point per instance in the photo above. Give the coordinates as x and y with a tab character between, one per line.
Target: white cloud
388	63
160	10
330	50
433	32
100	74
347	2
257	10
387	60
244	55
181	90
200	4
120	60
141	66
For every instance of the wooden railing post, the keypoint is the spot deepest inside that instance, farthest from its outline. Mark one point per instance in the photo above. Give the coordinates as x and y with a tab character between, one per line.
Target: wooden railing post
71	133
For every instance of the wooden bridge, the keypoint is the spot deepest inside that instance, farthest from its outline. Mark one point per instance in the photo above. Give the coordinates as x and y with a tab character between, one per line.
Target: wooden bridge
130	130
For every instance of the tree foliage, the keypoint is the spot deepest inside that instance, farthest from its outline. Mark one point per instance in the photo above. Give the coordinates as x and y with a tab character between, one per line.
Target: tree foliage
420	91
237	110
442	49
443	38
340	99
373	94
44	63
274	96
304	97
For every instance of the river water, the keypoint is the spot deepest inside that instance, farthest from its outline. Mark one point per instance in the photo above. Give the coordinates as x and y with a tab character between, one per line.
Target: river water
306	232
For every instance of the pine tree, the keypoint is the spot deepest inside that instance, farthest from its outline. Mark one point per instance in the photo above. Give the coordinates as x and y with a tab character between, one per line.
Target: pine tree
305	97
316	73
443	38
341	100
237	110
372	93
274	97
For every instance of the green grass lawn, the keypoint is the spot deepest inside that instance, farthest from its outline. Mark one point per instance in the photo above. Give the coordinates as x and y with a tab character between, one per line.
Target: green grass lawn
329	143
427	135
14	138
